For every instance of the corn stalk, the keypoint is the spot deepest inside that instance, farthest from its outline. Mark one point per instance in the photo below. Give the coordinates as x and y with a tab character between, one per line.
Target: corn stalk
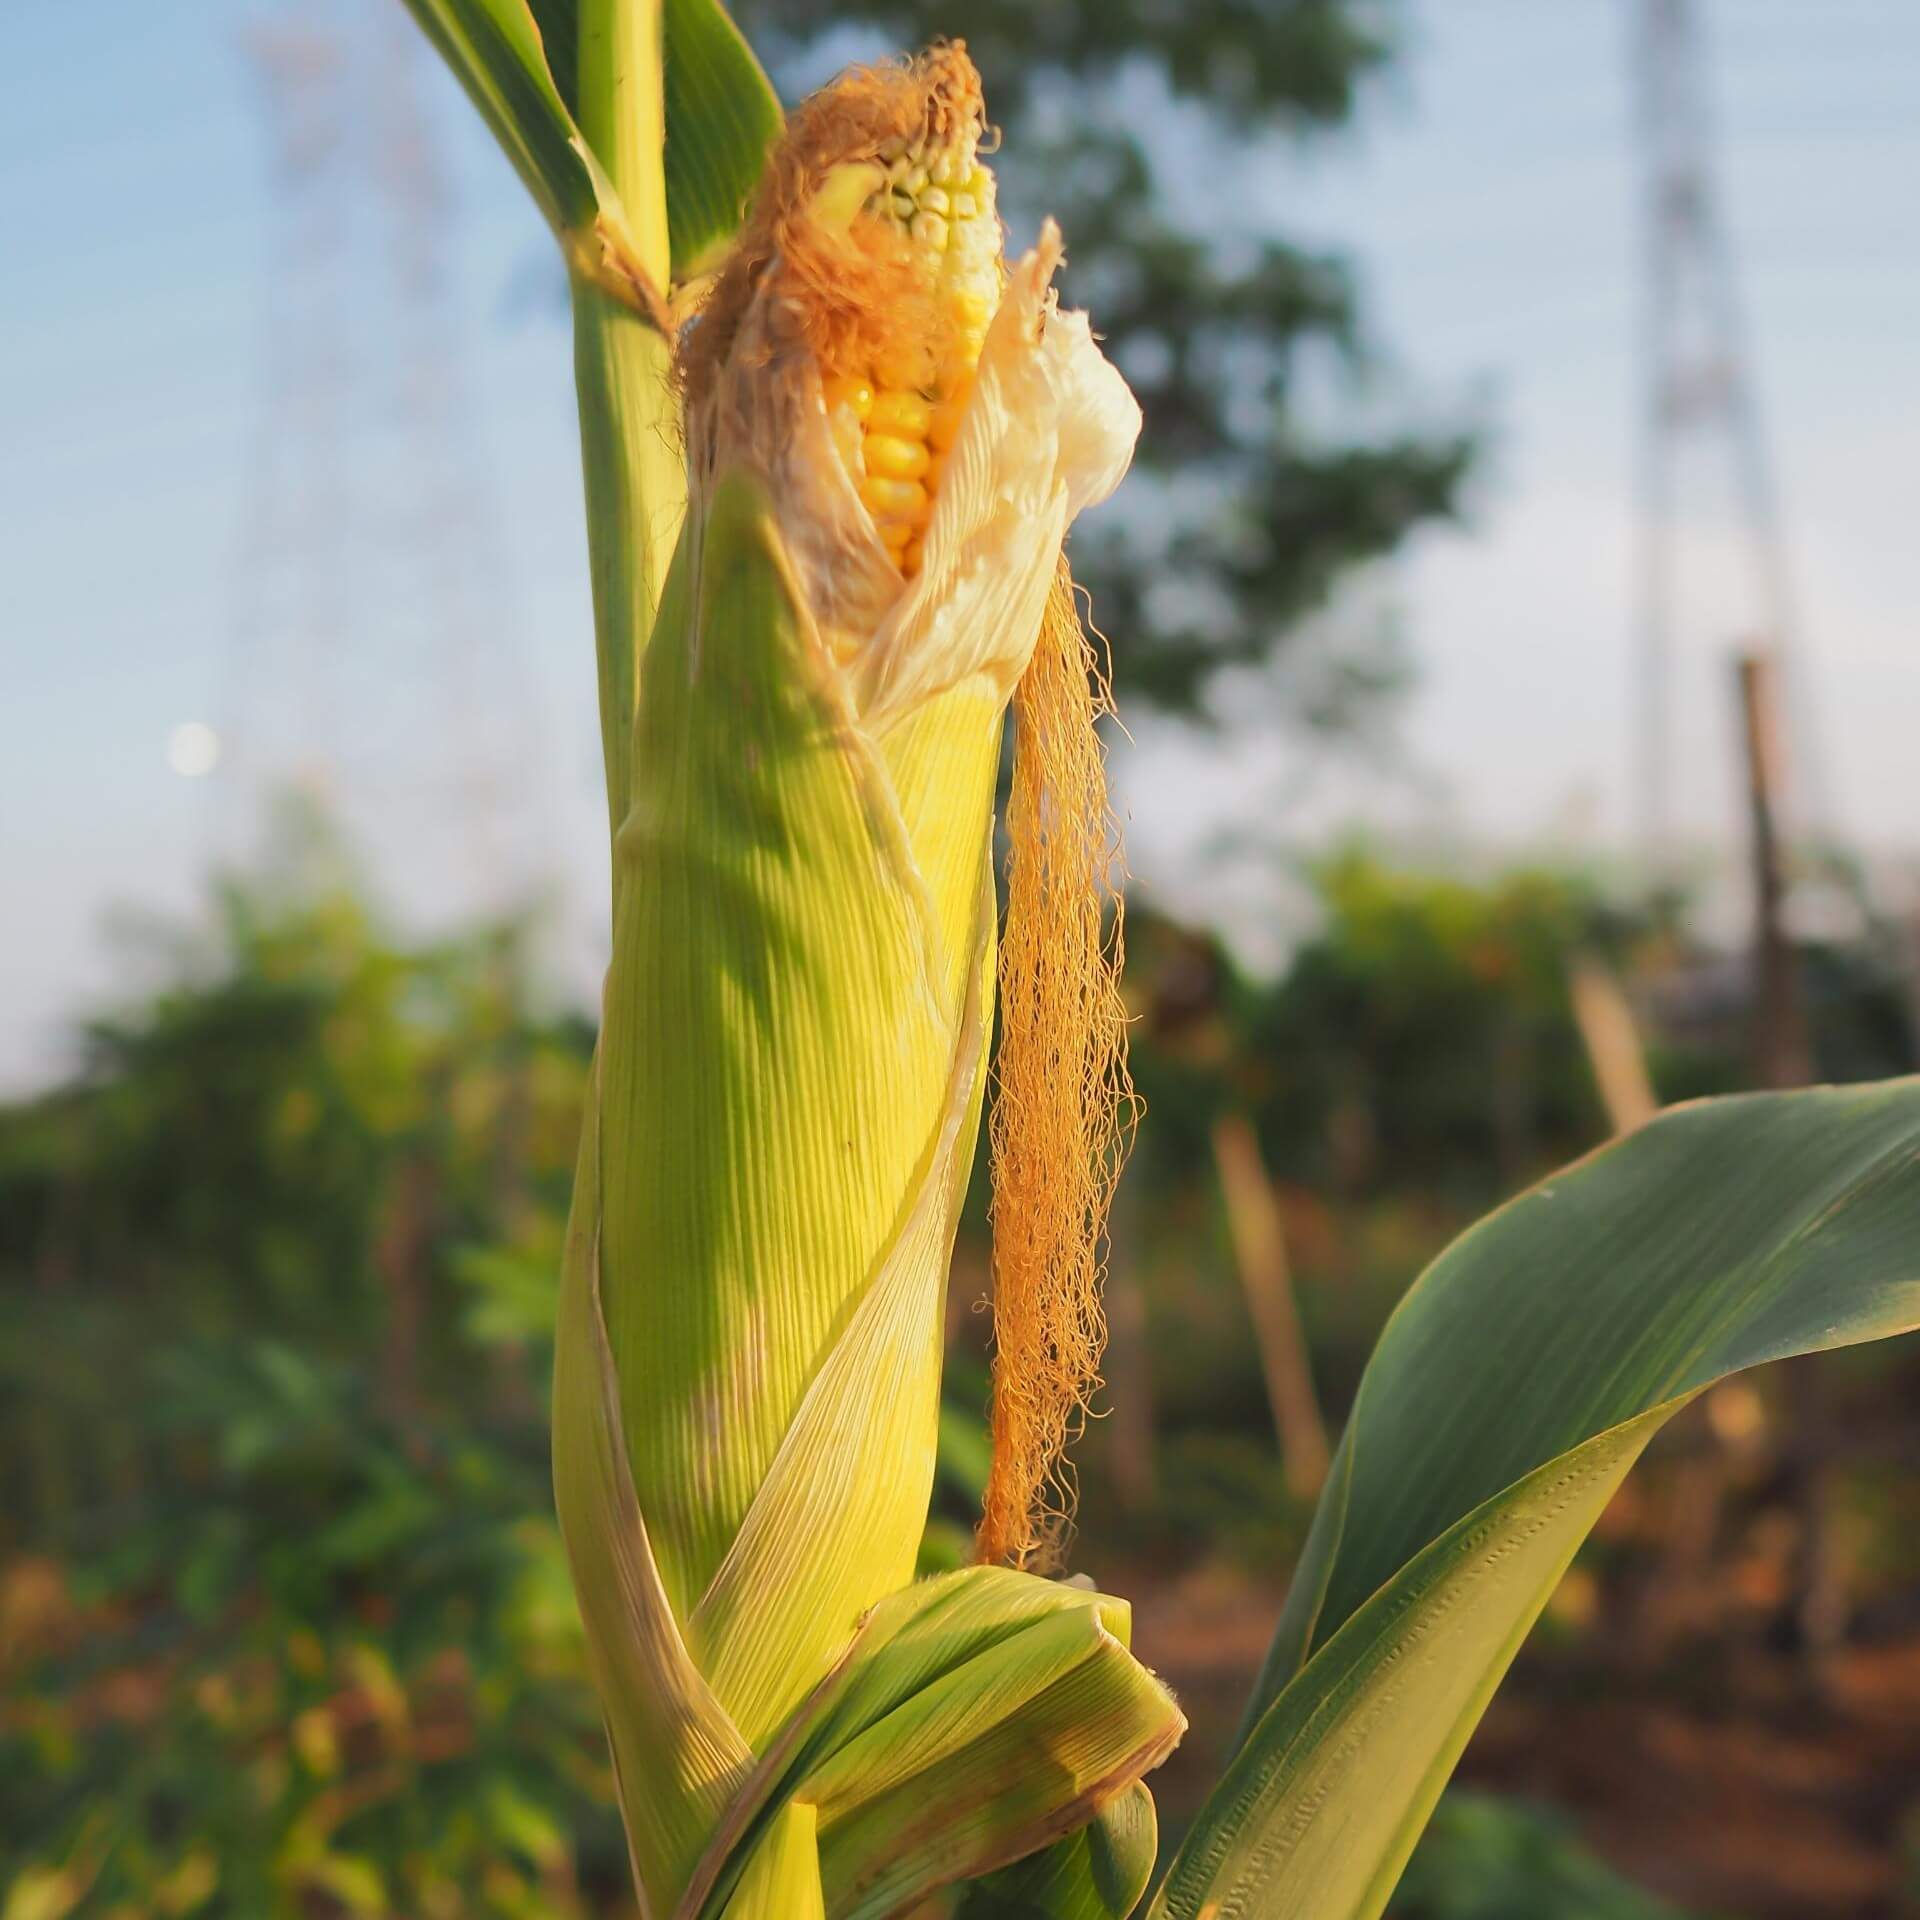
807	644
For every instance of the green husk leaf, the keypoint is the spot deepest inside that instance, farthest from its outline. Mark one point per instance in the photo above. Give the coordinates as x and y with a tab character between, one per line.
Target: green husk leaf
1513	1388
677	1758
796	948
1080	1720
978	1717
782	1877
1098	1873
856	1466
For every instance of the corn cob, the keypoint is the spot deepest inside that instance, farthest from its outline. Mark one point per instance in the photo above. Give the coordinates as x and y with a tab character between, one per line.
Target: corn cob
896	417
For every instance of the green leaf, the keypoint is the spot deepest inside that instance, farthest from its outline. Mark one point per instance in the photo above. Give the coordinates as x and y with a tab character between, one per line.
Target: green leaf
1512	1390
559	24
722	115
1098	1873
677	1757
782	1878
495	51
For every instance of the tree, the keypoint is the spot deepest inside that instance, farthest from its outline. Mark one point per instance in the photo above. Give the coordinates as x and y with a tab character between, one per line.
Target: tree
1120	117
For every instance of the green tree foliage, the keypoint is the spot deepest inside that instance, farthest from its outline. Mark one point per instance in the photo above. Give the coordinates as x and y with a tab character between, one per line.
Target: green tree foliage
1128	121
1489	1859
1422	1037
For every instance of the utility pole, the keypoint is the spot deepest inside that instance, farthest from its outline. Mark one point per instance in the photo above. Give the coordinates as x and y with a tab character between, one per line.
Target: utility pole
1782	1056
1697	386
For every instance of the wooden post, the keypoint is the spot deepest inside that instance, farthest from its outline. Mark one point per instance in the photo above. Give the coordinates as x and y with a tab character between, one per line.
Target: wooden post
1619	1062
1781	1055
1260	1252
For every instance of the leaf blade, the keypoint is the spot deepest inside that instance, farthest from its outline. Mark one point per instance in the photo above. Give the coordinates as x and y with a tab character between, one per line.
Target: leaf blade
722	115
1720	1236
495	50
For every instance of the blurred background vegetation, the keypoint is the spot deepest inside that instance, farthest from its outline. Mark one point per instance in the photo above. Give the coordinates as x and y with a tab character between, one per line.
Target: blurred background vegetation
284	1621
283	1625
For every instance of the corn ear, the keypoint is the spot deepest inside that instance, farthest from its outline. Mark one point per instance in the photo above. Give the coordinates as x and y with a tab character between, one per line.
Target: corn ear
786	1102
801	953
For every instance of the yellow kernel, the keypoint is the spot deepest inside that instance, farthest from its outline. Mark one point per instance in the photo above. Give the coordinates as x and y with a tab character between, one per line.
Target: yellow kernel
896	459
901	413
910	559
847	390
894	499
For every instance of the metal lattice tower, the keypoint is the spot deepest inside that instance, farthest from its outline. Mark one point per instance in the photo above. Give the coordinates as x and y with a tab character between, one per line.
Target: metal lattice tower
372	662
1698	386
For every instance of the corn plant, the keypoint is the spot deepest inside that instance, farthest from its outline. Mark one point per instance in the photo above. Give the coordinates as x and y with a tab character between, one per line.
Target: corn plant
833	442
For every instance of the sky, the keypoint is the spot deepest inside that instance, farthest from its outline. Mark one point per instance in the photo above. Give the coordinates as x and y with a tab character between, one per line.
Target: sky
157	272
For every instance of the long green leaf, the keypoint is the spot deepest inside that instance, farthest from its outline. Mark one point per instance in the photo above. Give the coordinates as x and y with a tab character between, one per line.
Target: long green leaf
722	115
494	48
1513	1388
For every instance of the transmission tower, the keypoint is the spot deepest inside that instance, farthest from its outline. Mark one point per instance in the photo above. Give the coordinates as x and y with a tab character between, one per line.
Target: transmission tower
290	600
372	662
1698	387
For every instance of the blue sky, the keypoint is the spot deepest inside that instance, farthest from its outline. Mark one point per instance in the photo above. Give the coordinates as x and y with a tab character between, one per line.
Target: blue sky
1489	197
